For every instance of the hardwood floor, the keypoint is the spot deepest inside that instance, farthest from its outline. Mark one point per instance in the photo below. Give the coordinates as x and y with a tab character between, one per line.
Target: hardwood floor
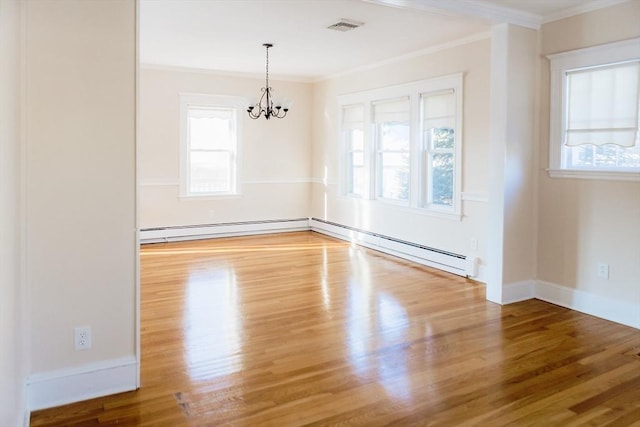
301	329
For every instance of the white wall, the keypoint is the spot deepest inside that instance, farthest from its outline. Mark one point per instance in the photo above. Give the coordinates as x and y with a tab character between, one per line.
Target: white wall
512	255
80	190
275	166
583	222
472	59
12	319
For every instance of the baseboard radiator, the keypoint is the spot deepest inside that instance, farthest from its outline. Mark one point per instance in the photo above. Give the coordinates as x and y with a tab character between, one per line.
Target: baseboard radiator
432	257
229	229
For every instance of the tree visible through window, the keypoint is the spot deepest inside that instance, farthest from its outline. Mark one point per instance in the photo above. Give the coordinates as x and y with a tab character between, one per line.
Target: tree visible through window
439	119
441	166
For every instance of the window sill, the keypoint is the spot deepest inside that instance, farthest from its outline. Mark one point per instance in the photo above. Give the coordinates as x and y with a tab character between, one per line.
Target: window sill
205	197
404	207
452	216
593	174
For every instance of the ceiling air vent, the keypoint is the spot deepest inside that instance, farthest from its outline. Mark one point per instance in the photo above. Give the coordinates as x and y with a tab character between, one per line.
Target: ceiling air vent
345	25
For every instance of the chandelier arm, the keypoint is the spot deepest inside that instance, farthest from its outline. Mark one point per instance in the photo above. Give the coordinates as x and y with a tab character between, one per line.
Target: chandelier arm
260	107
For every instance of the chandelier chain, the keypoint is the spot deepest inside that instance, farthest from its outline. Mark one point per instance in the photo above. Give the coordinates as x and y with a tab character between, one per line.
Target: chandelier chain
267	67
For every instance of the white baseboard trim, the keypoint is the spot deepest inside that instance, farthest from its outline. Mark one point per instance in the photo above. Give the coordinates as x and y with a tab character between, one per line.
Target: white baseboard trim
211	231
452	263
584	302
518	291
56	388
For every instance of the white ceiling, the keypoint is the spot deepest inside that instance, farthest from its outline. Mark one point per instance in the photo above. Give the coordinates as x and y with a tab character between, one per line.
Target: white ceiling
227	35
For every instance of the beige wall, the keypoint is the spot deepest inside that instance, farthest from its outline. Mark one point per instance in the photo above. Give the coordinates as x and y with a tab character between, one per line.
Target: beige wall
80	180
583	222
607	25
472	59
12	320
275	165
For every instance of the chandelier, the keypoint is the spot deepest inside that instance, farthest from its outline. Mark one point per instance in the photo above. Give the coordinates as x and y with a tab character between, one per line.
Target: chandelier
265	104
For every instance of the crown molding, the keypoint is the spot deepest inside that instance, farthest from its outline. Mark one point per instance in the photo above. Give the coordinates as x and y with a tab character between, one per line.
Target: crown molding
428	51
493	13
220	73
580	9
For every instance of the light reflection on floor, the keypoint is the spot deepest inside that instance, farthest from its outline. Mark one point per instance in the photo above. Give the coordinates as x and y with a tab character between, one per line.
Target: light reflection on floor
213	325
393	325
375	316
326	296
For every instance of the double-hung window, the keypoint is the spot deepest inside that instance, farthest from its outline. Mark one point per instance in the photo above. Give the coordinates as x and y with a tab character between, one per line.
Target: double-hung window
402	145
210	143
439	148
595	106
353	132
392	140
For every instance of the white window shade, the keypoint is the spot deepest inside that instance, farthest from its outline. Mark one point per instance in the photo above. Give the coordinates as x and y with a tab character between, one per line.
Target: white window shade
353	117
396	110
197	112
438	110
210	128
602	106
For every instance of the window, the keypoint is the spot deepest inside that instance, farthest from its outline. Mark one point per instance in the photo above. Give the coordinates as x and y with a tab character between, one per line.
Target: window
438	141
402	145
209	149
392	126
594	112
353	128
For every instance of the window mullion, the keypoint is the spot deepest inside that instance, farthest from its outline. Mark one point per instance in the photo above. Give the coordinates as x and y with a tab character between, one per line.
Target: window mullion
414	151
369	148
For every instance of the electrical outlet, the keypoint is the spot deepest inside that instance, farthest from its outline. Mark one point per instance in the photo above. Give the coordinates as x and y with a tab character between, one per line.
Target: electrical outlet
212	214
603	270
82	338
473	244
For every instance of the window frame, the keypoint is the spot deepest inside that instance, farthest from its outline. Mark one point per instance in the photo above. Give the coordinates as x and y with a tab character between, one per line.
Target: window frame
560	65
417	165
207	101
